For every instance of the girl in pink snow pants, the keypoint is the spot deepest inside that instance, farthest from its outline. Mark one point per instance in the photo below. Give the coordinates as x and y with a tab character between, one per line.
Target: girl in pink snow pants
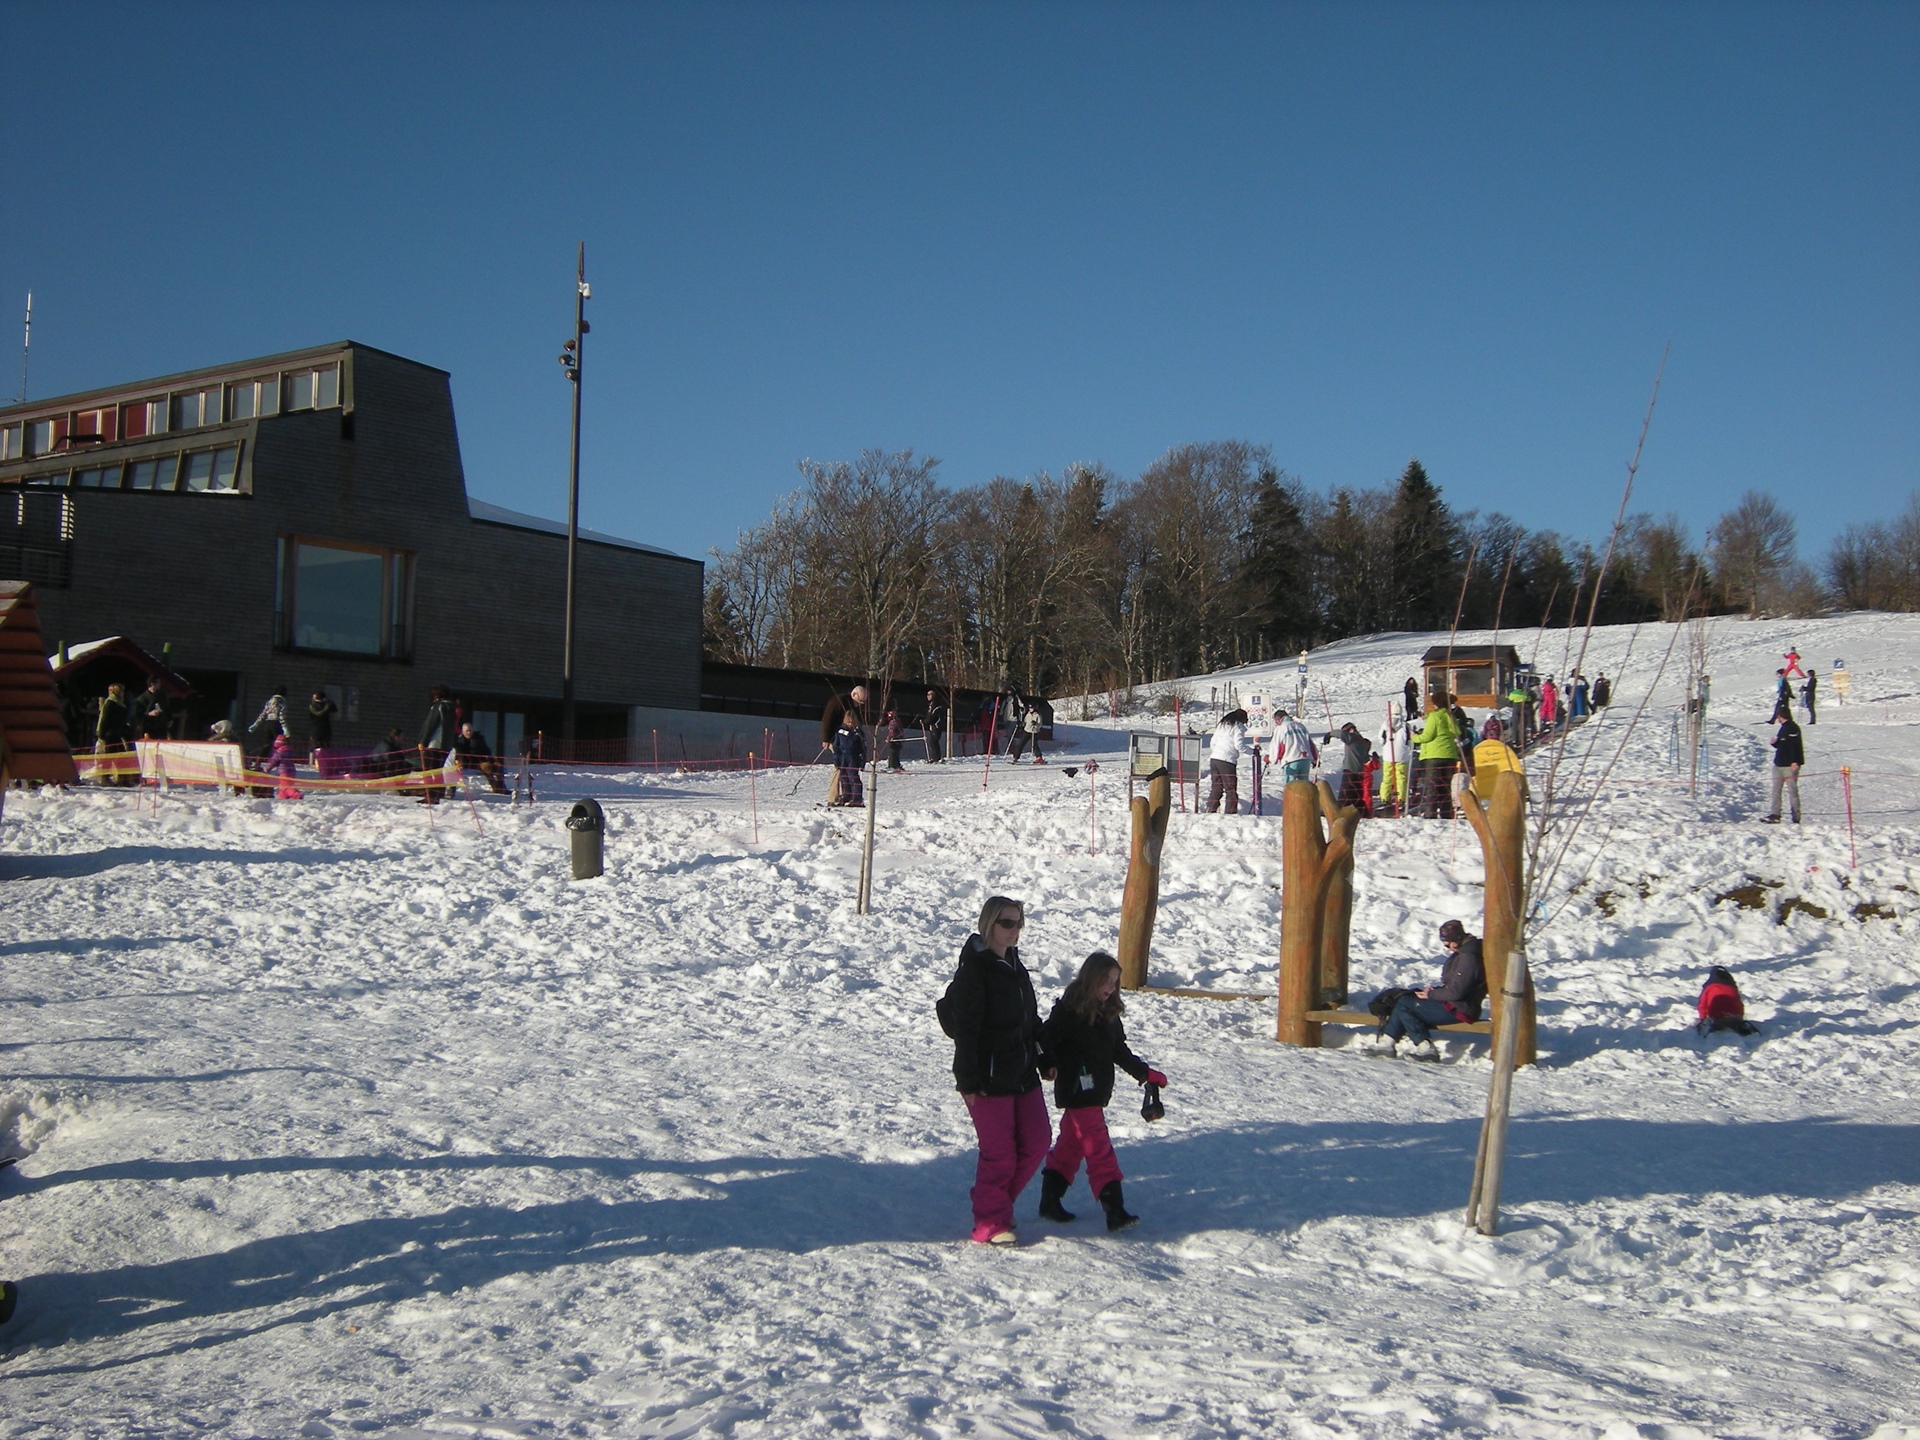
1086	1040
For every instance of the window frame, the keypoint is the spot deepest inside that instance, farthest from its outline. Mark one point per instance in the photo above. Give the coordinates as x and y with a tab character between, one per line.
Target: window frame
399	572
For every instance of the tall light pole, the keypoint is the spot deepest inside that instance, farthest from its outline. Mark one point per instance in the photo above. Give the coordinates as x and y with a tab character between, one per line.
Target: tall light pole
570	355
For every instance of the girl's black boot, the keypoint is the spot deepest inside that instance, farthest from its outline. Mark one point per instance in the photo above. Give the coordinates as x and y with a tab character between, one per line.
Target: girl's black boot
1053	1189
1117	1216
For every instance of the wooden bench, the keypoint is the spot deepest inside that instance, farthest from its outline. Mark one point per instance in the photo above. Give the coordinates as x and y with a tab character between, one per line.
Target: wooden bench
1368	1018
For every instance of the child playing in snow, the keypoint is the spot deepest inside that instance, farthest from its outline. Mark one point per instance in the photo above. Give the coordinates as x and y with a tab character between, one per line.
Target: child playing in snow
1086	1040
280	762
1721	1007
849	754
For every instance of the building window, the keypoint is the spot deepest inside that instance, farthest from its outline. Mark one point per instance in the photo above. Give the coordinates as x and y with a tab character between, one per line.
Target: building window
94	427
313	389
352	600
98	477
211	469
196	408
253	397
11	439
158	473
142	417
36	539
46	436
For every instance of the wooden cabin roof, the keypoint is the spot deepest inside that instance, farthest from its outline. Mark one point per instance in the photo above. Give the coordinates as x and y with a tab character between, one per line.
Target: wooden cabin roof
30	725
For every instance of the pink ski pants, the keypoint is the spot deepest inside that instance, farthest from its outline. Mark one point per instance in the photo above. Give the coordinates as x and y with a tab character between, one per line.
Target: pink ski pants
1014	1134
1083	1136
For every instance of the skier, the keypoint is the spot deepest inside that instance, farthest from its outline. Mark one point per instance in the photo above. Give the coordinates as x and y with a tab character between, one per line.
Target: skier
1789	754
1455	1000
999	1057
1438	756
1223	761
893	744
1291	748
933	725
1396	744
1602	691
1085	1040
1807	693
849	754
1549	706
838	705
280	762
1782	698
1355	750
1792	657
1582	694
1490	757
1412	693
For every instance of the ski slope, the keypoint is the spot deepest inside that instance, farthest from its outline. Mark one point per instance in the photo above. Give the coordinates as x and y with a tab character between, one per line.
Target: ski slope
344	1117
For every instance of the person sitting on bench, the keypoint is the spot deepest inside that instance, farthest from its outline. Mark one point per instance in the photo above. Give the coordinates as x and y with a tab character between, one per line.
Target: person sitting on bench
1454	1001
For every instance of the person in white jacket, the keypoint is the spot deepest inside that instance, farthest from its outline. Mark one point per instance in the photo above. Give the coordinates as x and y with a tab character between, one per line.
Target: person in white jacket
1395	749
1223	760
1291	748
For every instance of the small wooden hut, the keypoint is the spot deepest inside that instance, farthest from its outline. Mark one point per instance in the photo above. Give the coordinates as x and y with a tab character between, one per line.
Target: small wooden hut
34	739
1478	677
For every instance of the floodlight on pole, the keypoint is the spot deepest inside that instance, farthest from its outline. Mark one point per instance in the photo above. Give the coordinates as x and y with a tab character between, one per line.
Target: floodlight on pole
570	357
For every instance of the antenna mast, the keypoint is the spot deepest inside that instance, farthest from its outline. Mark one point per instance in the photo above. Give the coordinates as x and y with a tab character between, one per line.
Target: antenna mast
26	349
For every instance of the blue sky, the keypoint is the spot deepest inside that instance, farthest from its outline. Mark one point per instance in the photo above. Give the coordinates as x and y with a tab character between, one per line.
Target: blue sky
1014	237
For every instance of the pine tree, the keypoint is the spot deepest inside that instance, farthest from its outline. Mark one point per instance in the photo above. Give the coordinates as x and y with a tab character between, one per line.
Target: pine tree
1277	571
1425	571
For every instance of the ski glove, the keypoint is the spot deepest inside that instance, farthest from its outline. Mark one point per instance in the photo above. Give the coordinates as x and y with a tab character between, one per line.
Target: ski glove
1154	1077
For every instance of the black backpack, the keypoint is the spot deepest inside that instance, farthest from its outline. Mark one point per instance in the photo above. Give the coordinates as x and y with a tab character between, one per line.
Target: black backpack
1383	1003
943	1007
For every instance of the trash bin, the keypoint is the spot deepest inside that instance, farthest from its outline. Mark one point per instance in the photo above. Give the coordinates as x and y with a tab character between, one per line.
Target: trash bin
587	829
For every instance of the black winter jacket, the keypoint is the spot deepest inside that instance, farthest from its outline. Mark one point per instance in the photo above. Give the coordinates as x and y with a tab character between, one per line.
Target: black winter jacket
1463	979
1086	1055
1788	748
997	1049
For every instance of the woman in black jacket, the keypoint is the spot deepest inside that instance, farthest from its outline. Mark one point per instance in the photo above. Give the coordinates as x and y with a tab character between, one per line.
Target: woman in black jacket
994	1019
1086	1040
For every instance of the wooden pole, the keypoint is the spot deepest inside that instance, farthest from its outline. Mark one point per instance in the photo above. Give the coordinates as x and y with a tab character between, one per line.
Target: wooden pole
1141	898
1308	861
864	902
1483	1204
1502	827
1336	923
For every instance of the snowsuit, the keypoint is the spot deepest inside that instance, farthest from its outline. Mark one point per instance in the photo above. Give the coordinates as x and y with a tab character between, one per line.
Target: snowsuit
280	762
1396	744
1491	757
1580	693
1455	1000
849	754
1223	761
998	1052
1549	705
1792	657
893	742
1721	1007
1085	1054
1602	693
1789	754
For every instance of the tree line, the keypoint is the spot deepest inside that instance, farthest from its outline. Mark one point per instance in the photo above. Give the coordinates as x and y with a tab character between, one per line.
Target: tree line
1212	557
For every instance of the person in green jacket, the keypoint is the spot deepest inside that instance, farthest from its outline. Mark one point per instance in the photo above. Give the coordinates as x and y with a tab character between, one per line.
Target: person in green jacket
1437	743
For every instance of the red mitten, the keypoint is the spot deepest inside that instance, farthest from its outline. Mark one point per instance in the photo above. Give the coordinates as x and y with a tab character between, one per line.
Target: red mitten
1154	1077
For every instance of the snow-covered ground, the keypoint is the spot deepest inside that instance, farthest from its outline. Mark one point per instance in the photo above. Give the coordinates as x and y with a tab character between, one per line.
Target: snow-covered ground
345	1117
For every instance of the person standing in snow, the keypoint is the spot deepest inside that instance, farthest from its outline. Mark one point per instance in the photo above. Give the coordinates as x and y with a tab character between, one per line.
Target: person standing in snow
1026	727
838	707
1394	748
152	712
894	766
933	725
849	754
1602	691
1411	692
1789	754
1438	755
1085	1040
280	762
437	732
1291	748
1806	693
1355	750
1223	761
1455	1000
1581	696
999	1054
273	716
320	713
1782	698
1549	706
1792	657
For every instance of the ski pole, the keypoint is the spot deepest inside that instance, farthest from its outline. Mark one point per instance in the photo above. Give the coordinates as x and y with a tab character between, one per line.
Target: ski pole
803	774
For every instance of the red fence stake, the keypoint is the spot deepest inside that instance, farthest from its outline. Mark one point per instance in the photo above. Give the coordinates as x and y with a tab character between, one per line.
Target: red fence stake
1846	788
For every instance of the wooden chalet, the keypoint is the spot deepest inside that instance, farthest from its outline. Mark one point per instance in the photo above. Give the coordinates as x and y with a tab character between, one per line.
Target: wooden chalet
1478	677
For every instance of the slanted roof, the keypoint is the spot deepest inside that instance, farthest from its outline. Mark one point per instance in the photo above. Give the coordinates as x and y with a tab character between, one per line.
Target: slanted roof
515	520
89	653
1470	655
36	741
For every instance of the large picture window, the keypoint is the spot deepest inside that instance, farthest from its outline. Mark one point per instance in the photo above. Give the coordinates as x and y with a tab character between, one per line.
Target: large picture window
344	599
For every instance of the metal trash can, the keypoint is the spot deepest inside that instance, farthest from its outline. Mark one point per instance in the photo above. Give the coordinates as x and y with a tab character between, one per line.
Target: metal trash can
587	829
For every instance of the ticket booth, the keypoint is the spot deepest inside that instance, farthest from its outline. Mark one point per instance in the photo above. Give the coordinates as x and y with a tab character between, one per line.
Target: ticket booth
1477	677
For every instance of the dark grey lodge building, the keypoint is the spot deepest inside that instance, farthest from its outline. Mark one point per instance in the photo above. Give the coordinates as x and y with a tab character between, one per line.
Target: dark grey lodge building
303	519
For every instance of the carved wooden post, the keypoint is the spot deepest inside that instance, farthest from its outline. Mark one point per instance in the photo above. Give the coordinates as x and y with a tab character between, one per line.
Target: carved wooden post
1308	862
1142	896
1336	921
1501	825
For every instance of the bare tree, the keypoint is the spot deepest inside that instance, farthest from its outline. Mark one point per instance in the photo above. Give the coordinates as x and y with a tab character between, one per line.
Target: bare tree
876	519
1752	548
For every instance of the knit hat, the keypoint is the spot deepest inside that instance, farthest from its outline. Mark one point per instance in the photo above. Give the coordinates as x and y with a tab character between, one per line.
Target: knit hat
1453	930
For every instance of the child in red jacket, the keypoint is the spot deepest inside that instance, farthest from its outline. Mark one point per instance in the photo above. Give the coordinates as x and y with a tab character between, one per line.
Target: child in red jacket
1721	1007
